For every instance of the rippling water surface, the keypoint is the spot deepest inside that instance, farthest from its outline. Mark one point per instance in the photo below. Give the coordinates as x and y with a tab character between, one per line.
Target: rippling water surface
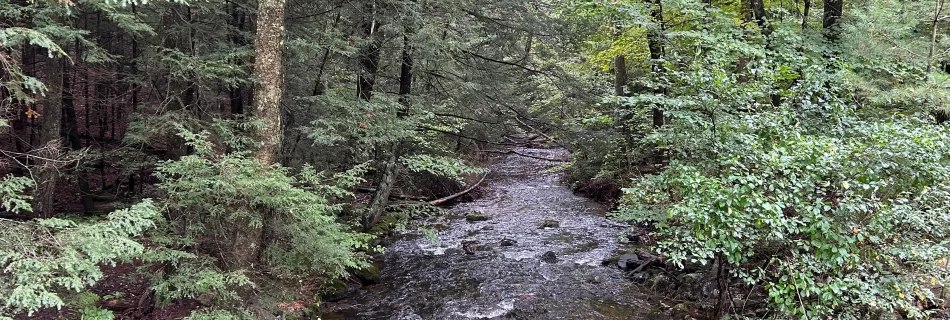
439	280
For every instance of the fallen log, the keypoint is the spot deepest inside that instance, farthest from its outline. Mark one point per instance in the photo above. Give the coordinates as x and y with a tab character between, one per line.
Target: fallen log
523	155
441	201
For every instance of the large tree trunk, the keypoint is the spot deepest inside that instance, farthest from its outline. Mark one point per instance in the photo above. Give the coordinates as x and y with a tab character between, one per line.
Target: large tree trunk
248	241
47	172
832	16
72	137
369	56
268	71
386	171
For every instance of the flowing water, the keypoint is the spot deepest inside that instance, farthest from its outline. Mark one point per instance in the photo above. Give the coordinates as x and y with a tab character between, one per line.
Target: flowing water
475	271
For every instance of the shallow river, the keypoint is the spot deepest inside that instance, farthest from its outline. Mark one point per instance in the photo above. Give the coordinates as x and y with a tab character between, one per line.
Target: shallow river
506	279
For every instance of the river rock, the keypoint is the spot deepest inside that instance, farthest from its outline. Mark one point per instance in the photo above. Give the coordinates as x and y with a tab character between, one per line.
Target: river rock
369	275
508	242
549	224
476	217
629	261
454	251
470	246
549	257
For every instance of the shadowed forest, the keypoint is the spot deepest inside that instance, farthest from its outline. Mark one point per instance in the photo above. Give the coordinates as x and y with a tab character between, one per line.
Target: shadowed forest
466	159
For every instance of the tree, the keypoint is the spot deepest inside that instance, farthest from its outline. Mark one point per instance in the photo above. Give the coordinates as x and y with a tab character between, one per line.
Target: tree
268	70
48	161
931	54
831	21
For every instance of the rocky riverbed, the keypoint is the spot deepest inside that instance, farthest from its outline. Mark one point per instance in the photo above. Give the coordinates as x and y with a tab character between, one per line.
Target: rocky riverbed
529	249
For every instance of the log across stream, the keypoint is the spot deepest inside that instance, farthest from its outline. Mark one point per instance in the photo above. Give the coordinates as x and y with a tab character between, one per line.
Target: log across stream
537	256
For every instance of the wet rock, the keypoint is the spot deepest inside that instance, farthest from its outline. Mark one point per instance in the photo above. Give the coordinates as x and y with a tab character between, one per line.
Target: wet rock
488	228
629	261
476	217
609	261
469	246
549	257
454	251
549	224
482	247
334	290
508	242
369	275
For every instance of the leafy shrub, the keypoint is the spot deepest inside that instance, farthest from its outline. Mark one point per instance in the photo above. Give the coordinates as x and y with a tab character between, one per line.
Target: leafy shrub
832	212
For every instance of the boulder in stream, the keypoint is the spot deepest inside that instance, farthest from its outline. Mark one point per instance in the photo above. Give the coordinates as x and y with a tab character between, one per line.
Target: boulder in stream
508	242
549	224
549	257
629	261
476	217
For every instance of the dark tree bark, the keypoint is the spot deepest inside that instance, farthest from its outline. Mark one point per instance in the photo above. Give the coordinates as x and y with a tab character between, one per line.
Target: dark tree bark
754	11
655	44
369	55
72	137
805	15
46	172
236	94
620	75
831	21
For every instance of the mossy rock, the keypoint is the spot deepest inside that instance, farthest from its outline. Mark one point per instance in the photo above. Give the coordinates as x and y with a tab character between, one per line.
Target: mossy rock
334	290
370	274
390	223
549	224
476	217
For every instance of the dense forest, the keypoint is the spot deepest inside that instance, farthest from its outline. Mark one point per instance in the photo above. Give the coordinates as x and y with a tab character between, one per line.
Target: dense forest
240	159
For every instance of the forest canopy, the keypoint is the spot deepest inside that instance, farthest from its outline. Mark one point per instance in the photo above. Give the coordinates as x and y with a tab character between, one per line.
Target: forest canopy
246	153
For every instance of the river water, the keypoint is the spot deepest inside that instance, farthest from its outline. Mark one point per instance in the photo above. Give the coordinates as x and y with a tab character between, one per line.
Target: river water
502	279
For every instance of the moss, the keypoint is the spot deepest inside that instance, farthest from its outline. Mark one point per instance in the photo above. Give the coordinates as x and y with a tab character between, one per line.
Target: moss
475	217
370	274
389	223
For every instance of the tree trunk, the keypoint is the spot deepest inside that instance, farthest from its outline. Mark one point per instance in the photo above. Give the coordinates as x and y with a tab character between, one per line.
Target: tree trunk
620	75
72	137
369	56
268	70
938	8
754	11
47	172
830	22
386	171
248	241
655	44
805	15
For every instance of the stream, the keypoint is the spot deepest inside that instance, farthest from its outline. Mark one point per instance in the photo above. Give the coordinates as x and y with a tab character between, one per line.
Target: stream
510	266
